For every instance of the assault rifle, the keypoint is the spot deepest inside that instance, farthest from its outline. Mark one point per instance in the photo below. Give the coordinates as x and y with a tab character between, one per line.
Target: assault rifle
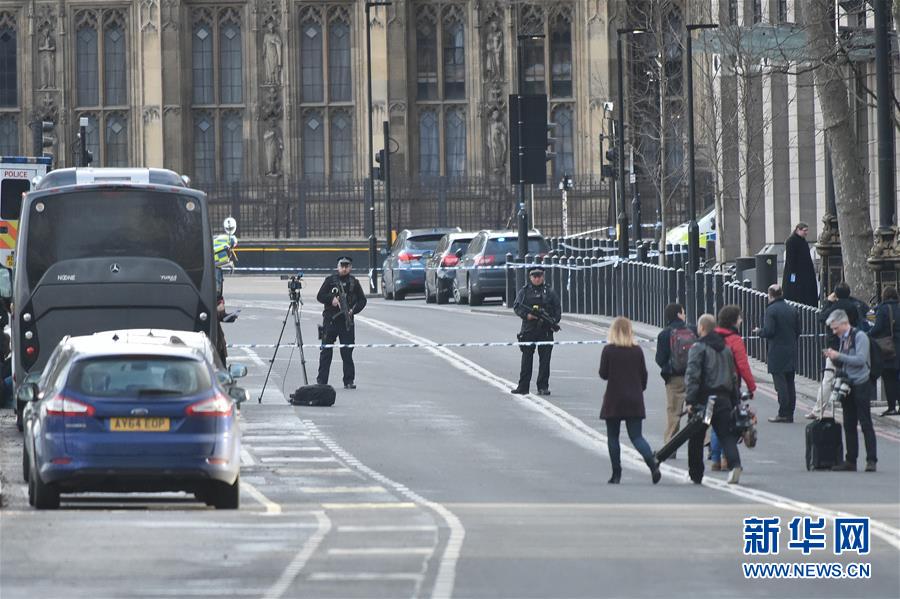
545	317
344	305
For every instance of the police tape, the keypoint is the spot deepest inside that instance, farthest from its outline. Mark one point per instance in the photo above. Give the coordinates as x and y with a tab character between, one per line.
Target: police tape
414	345
511	266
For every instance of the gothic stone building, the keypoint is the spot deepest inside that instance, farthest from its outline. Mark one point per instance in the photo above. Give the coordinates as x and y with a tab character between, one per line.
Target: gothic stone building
251	90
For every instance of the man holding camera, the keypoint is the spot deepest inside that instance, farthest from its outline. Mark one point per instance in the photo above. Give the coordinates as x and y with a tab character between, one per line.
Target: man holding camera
342	296
851	361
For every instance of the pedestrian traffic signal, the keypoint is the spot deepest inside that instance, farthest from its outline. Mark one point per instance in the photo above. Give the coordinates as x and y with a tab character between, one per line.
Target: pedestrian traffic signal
378	171
533	110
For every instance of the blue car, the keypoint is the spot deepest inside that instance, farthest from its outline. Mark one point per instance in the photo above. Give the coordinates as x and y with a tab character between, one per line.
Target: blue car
481	273
403	271
142	412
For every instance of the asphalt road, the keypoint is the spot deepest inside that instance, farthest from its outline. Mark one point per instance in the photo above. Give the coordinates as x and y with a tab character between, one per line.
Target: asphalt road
432	480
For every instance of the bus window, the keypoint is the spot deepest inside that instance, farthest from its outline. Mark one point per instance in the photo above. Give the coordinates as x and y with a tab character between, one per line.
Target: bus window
112	224
11	191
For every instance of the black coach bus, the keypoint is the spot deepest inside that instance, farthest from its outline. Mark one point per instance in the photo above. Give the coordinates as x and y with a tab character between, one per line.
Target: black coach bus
109	248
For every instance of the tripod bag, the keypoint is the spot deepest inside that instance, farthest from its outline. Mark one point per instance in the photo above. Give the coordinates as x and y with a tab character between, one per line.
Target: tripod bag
313	395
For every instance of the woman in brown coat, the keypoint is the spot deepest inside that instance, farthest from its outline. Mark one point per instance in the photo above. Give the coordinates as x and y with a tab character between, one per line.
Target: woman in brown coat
622	367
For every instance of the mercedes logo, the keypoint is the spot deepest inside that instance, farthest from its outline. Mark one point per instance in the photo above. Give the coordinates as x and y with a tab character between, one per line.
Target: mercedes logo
140	412
113	268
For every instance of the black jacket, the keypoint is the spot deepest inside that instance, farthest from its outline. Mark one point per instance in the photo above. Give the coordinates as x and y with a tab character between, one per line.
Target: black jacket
355	296
856	311
542	296
711	371
882	328
781	331
799	277
664	347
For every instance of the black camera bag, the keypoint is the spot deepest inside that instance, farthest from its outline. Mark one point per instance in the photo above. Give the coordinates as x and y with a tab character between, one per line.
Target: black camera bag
313	395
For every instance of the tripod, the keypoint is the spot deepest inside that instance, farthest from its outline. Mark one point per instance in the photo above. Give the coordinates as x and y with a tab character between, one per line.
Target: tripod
293	309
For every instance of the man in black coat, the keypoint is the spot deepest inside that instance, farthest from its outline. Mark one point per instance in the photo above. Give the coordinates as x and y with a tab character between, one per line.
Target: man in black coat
334	322
672	370
533	297
781	329
799	277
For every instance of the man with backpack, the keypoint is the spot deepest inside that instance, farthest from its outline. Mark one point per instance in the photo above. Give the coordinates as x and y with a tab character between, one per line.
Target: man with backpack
853	361
672	346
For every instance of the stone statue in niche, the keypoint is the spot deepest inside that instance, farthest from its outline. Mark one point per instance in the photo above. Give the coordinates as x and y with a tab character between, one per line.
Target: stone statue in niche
493	49
47	51
272	55
498	142
273	148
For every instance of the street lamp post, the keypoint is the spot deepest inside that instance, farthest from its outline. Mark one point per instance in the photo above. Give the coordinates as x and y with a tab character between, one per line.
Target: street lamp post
622	219
693	227
373	239
565	186
522	213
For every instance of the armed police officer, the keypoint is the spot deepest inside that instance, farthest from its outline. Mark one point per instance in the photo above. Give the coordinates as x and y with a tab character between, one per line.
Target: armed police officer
539	308
343	297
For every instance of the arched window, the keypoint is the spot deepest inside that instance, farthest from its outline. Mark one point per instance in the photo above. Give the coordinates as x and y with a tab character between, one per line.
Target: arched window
341	145
339	73
9	85
202	63
429	145
311	79
454	58
232	147
426	54
231	70
204	148
114	63
313	145
564	161
561	56
116	140
455	136
86	72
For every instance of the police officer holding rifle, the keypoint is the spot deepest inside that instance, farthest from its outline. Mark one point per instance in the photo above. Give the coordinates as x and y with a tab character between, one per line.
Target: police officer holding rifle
342	296
539	308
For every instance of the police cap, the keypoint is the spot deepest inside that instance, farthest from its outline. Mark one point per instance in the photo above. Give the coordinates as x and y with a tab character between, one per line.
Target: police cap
536	271
345	261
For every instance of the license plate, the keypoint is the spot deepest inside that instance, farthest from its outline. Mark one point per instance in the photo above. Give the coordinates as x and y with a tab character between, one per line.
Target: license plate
139	425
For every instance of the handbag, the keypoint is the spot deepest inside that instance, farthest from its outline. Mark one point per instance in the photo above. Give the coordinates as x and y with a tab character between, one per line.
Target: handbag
886	344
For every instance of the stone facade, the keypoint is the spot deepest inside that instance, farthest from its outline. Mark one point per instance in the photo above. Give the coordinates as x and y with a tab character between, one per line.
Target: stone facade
263	89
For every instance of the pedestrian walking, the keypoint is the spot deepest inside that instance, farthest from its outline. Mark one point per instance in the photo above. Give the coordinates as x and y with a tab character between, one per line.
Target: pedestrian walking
337	319
537	304
623	368
711	372
852	362
781	330
886	333
730	320
799	277
672	346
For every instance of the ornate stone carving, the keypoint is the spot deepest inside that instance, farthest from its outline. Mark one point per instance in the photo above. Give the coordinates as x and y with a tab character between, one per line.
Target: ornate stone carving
46	110
493	50
272	55
531	20
273	147
497	141
169	14
149	15
271	108
398	108
172	109
596	10
269	12
151	113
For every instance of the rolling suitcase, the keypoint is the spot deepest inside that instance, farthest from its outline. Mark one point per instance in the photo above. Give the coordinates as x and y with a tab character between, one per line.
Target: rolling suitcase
824	442
695	424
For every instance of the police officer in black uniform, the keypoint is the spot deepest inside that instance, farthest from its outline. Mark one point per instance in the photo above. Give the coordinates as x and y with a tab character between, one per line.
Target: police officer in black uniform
533	297
334	325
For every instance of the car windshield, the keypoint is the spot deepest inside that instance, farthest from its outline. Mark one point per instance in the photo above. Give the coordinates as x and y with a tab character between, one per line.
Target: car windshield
138	376
422	243
501	246
459	244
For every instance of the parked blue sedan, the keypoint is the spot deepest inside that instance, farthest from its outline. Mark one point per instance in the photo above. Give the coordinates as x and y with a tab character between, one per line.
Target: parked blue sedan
121	412
403	271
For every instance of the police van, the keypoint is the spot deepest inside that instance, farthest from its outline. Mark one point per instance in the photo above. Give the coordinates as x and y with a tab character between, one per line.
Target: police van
17	174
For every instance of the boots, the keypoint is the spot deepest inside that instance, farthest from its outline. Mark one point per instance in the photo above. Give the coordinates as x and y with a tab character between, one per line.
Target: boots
616	476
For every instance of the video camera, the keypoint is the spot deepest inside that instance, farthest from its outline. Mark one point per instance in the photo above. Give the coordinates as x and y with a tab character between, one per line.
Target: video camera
840	389
295	284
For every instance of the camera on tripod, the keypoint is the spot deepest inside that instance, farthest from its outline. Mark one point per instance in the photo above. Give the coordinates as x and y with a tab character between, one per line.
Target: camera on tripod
840	389
295	284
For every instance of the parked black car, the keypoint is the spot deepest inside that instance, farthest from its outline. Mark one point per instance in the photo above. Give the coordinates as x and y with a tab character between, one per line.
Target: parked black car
478	277
440	267
403	271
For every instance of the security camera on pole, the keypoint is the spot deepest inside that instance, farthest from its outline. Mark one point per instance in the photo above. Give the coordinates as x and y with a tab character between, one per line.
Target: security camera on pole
565	186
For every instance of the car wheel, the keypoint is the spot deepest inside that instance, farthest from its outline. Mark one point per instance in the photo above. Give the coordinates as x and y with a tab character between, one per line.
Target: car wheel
225	496
26	463
384	291
474	298
457	295
41	495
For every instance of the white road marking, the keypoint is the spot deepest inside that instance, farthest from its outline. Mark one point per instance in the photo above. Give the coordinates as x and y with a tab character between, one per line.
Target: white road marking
288	472
362	577
411	528
292	460
234	525
596	441
246	458
314	490
446	574
370	505
272	508
382	551
266	448
293	569
256	359
280	438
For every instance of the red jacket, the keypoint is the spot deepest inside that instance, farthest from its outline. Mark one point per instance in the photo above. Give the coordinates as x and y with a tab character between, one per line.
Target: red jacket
736	345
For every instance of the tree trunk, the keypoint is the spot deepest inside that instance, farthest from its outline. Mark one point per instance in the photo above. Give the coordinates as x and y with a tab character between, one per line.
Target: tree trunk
849	177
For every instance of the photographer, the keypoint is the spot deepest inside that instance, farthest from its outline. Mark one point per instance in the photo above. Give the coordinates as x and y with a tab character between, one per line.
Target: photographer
852	360
337	323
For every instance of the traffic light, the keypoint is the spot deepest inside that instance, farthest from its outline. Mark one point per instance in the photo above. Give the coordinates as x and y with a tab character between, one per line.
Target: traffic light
612	157
534	138
378	171
44	137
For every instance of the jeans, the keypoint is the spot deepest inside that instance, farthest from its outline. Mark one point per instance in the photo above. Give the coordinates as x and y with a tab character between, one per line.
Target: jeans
856	408
787	393
715	448
633	426
721	423
333	332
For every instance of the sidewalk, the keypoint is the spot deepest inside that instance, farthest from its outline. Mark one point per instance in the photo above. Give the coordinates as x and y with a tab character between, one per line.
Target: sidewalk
806	388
